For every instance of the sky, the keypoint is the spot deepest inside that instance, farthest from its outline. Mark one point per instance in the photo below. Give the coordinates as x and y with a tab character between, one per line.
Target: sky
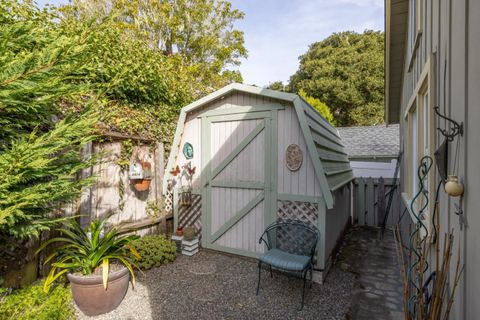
277	32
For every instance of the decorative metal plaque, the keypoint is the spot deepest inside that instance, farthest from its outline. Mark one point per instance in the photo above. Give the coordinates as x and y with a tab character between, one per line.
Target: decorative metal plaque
188	150
294	157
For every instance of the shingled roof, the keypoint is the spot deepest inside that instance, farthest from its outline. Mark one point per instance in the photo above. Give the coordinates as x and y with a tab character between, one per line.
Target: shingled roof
371	141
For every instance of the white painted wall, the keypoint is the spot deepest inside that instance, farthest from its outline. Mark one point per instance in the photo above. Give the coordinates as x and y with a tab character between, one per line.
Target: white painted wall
373	169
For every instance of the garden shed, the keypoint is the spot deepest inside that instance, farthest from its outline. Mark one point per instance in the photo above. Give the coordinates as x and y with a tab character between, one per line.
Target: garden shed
244	156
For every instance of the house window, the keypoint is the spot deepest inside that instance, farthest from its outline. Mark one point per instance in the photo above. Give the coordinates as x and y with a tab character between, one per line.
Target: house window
420	139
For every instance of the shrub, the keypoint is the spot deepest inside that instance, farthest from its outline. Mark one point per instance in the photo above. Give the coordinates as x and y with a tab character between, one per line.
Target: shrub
154	250
33	303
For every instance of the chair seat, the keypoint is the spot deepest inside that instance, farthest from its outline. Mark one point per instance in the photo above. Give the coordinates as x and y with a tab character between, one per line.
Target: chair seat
284	260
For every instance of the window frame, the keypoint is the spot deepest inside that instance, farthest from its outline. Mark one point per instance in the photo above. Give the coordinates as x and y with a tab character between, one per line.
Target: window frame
420	133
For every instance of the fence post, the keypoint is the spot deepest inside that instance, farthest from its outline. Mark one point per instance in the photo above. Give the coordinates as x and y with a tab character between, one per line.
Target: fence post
86	196
159	173
361	201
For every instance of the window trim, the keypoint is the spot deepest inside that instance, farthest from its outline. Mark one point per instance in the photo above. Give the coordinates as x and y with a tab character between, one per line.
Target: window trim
424	86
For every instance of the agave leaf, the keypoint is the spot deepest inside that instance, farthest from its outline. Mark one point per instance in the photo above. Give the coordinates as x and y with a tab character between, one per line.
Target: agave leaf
127	264
134	252
105	273
53	240
51	278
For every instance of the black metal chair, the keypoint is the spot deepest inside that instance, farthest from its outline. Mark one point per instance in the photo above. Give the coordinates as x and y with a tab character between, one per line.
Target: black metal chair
291	246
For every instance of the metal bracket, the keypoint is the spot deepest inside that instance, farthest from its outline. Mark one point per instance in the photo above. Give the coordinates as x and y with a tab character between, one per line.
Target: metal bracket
455	127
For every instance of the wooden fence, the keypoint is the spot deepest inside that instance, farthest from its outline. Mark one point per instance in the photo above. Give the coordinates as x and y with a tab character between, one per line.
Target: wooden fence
367	200
113	195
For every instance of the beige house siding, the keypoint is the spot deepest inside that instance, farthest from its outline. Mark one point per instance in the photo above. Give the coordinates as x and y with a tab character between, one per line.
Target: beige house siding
450	42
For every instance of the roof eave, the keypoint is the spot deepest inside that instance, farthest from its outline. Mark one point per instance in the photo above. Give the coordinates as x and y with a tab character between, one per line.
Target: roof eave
396	26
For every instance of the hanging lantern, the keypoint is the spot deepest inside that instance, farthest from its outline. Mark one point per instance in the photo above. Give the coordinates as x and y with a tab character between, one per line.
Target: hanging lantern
453	186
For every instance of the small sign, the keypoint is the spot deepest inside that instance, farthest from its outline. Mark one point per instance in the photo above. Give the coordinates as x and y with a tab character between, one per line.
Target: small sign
188	150
136	171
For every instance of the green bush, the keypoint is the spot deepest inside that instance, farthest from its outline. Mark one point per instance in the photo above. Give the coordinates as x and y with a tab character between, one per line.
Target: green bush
154	250
33	303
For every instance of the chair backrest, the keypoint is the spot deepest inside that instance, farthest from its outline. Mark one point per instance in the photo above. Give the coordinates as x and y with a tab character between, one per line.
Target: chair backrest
292	236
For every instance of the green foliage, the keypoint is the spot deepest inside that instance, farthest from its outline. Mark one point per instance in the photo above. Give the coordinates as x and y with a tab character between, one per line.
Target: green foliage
86	250
155	251
279	86
345	71
40	154
370	114
188	46
33	303
318	105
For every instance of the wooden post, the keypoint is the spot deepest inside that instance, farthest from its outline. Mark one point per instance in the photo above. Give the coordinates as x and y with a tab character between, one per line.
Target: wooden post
86	196
381	201
159	173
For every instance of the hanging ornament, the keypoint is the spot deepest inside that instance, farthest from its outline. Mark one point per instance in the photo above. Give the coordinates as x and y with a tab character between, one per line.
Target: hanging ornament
453	186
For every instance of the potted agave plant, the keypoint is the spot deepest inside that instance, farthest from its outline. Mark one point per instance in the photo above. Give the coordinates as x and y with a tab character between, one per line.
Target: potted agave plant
98	264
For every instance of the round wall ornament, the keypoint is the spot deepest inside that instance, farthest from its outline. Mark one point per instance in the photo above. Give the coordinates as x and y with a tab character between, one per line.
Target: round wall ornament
294	157
188	150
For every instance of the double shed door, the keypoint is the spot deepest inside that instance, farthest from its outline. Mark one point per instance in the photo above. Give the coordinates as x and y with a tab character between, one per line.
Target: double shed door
239	159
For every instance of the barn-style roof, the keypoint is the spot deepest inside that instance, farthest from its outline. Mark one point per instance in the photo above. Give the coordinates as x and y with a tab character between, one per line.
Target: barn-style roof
371	141
324	145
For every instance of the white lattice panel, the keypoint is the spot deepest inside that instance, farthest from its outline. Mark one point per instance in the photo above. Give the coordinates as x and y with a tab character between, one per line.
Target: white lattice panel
303	211
169	201
191	216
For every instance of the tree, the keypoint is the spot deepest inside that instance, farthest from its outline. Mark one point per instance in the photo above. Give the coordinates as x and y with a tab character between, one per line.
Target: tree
345	71
39	154
278	85
318	105
200	31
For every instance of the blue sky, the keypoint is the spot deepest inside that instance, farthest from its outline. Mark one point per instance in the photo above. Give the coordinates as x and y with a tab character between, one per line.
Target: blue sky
277	32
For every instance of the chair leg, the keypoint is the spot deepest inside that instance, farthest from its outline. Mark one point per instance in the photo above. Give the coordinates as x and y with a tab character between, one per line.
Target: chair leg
271	272
311	276
259	273
303	291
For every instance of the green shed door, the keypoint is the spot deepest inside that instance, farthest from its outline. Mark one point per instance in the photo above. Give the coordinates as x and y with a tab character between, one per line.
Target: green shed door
237	181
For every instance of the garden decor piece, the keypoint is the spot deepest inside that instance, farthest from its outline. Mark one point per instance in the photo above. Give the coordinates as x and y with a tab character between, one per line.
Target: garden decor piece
294	157
97	263
291	246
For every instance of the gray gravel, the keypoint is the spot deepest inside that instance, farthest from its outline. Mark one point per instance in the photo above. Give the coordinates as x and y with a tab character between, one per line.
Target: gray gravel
215	286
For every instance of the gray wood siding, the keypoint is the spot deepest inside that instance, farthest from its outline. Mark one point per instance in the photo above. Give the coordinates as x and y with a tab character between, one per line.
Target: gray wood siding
304	181
451	37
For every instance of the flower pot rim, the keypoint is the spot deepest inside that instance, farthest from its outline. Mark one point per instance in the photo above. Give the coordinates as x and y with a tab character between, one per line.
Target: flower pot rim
96	279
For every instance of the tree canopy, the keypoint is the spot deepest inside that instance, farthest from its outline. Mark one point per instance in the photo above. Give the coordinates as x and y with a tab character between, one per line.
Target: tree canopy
346	72
68	74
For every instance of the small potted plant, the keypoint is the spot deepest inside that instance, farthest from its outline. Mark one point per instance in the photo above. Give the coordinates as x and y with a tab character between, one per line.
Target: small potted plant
98	264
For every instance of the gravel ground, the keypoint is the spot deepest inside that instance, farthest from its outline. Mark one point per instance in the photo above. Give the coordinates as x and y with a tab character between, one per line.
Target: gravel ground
215	286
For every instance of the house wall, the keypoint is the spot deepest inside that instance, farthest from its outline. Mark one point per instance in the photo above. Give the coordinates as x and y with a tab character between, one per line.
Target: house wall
449	45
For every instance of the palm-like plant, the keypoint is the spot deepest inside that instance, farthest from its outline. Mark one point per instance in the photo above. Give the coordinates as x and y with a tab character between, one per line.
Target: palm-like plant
86	250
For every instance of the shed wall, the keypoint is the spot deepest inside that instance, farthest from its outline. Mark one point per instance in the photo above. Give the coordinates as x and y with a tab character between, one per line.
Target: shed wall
337	220
301	182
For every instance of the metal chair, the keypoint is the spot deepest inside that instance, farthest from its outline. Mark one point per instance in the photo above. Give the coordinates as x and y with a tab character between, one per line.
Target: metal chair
291	245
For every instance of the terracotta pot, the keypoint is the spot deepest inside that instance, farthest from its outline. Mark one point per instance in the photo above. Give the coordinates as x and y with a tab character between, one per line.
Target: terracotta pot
142	185
90	296
179	232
